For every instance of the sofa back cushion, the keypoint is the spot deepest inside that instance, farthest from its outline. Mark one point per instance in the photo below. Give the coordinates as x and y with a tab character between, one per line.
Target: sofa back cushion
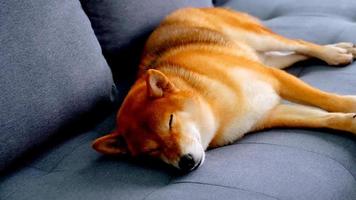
52	72
123	26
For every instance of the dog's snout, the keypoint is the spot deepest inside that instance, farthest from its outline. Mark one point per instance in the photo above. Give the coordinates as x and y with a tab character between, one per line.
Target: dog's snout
186	162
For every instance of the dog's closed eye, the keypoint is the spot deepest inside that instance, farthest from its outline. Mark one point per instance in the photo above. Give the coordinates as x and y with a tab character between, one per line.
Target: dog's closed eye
170	122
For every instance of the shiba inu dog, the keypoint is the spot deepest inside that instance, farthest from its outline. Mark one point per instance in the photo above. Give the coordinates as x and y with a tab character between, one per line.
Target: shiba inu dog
208	76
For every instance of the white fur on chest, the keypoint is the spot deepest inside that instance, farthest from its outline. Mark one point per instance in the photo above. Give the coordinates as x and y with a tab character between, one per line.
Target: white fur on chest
260	98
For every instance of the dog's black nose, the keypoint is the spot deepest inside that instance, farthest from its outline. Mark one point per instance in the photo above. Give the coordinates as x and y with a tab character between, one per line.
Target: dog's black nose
186	162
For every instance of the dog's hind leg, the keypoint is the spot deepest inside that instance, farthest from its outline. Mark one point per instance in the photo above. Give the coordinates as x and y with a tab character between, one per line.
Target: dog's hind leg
295	90
298	116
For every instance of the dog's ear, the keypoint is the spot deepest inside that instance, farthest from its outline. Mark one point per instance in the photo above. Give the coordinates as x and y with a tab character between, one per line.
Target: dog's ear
158	84
111	144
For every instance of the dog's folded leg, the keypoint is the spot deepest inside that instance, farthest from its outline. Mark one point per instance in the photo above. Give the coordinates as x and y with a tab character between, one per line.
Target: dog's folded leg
293	89
280	60
333	54
262	39
298	116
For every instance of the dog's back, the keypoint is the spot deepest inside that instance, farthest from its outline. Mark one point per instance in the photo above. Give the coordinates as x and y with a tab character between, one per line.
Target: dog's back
194	47
191	27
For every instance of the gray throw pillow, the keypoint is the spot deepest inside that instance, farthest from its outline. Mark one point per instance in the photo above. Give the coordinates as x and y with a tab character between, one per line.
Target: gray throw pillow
52	72
123	26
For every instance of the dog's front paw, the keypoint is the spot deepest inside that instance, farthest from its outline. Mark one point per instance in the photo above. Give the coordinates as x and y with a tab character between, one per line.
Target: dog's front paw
340	53
350	47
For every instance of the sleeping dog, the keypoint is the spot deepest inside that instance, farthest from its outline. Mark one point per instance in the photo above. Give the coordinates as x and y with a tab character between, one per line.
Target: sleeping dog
208	76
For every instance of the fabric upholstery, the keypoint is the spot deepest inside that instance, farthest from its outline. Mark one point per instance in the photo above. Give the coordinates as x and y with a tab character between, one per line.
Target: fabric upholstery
51	72
276	164
122	27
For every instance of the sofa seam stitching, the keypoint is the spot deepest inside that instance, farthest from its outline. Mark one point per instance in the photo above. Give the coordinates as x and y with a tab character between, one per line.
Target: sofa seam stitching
153	191
225	186
290	147
53	169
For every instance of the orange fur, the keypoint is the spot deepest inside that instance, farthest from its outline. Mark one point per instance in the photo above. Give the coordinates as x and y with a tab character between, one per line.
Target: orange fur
204	79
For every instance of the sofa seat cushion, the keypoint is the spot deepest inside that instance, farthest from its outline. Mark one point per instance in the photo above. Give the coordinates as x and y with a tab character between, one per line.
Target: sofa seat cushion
52	72
275	164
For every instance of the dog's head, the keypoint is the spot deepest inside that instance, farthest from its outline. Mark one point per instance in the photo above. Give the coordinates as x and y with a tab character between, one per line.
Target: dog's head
159	120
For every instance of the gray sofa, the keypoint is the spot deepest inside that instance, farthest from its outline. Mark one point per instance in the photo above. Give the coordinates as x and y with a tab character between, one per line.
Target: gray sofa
67	64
